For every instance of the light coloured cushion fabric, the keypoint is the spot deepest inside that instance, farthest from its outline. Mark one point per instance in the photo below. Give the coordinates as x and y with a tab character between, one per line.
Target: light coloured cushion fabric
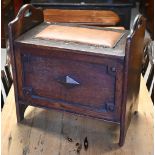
97	37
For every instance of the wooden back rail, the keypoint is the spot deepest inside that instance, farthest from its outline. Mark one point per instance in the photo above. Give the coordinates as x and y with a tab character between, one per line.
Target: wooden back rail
84	17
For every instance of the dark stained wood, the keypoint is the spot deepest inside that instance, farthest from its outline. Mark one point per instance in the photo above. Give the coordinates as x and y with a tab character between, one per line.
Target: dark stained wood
20	109
43	63
120	7
147	9
56	69
86	2
86	17
27	18
107	82
7	15
3	37
17	27
133	63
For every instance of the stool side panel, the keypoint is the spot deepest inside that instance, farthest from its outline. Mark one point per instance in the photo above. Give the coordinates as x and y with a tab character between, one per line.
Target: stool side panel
132	73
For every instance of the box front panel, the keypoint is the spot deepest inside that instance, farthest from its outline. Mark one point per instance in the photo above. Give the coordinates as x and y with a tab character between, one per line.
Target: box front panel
70	85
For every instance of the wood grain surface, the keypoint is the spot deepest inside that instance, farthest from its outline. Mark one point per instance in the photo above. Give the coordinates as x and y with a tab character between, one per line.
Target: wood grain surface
118	108
86	17
48	132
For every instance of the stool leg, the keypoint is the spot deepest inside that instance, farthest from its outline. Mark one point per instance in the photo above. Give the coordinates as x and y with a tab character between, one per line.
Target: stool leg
122	134
20	109
126	119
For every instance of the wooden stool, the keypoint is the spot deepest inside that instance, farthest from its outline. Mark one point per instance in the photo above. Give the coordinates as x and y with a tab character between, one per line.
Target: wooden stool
85	17
76	68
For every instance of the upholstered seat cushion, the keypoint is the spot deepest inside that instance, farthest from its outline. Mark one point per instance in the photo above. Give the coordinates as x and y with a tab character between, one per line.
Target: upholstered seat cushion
85	35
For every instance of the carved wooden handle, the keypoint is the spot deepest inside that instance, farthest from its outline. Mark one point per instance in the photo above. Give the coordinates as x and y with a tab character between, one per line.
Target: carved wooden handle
27	17
27	8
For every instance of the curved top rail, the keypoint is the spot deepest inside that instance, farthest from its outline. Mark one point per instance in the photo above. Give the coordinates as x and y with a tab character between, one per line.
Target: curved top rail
27	17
